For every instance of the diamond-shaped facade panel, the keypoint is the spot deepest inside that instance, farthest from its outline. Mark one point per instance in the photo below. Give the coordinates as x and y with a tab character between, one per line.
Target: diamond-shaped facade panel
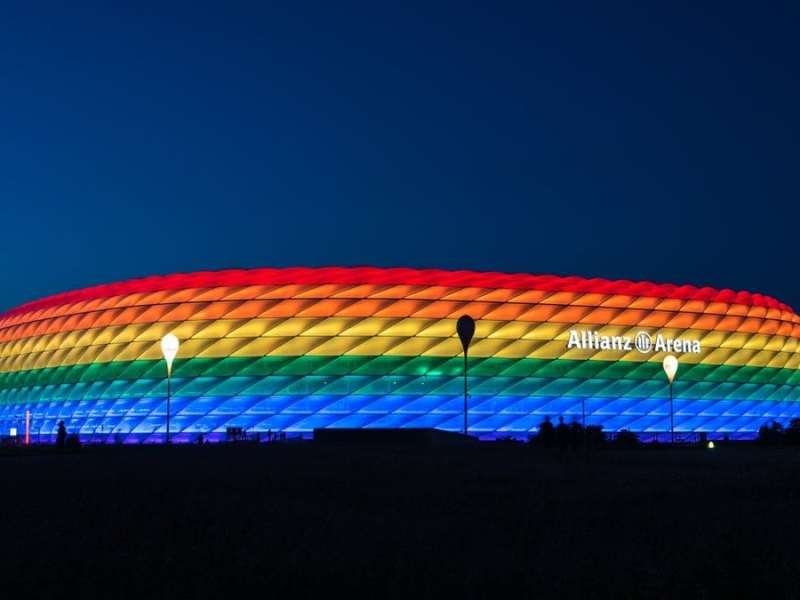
294	349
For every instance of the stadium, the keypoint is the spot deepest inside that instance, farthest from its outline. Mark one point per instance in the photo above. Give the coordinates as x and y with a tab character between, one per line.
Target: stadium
291	350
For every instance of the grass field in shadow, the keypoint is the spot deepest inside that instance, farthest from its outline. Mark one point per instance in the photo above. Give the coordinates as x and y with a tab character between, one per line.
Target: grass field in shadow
473	522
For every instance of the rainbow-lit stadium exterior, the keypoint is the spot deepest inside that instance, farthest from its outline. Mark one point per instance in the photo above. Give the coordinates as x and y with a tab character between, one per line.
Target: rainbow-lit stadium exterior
290	350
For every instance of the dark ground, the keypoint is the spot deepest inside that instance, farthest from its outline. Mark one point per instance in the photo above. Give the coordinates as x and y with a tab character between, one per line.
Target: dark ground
473	522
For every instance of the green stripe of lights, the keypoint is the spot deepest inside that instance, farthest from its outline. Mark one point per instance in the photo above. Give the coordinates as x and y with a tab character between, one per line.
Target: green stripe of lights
382	375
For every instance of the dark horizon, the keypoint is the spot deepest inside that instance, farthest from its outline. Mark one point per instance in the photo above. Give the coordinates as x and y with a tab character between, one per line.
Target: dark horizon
621	142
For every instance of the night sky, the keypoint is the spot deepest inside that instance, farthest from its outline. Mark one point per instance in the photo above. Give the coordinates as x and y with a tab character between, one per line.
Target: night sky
603	140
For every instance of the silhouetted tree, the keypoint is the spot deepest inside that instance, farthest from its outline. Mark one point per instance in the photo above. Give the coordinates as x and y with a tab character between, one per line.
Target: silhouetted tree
547	434
562	434
73	443
626	439
594	436
61	435
770	435
792	433
575	434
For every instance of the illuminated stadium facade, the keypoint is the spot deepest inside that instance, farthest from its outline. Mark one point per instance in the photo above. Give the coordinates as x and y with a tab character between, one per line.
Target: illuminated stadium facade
291	350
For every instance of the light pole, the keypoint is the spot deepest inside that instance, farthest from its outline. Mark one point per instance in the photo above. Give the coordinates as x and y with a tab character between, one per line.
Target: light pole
670	365
583	414
169	348
465	327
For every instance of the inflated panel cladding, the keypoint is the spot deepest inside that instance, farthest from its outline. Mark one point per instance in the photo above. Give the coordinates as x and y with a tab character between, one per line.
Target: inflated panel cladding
296	349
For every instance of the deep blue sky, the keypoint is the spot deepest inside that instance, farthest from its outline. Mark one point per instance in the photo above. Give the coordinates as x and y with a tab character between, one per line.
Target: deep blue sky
605	140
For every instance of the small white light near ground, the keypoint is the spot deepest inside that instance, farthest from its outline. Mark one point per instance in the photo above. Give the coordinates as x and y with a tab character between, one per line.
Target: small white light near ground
710	445
13	432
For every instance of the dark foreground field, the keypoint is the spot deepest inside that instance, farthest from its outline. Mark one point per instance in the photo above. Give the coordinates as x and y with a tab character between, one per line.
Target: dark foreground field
477	522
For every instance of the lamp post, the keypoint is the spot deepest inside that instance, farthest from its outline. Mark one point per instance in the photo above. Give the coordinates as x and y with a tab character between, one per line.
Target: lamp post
670	365
465	327
583	414
169	348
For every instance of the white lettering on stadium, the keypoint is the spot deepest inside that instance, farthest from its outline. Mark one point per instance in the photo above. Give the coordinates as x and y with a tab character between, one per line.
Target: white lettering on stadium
642	342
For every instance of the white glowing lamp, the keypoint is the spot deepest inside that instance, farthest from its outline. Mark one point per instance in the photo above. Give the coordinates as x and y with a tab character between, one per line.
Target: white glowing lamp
670	367
169	348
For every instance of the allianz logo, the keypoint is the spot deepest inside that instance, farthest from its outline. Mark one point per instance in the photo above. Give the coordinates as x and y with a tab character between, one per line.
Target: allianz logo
643	342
